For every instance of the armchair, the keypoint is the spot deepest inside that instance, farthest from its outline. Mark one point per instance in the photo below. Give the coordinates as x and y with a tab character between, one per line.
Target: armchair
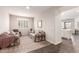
16	32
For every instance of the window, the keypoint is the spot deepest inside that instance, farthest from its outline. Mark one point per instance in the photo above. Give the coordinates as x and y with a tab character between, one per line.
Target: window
22	23
66	25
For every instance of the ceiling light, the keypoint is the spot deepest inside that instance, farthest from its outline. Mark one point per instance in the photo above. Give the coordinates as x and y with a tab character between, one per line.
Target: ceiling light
27	7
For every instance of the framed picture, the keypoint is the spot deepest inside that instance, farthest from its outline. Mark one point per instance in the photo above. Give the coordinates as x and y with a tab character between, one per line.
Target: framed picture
39	24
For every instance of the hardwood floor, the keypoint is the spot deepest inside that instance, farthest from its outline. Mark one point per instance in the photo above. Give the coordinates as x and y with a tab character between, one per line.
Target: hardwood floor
27	45
65	47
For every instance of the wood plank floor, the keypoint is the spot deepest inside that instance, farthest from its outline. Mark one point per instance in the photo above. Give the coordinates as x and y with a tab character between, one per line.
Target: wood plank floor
65	47
27	45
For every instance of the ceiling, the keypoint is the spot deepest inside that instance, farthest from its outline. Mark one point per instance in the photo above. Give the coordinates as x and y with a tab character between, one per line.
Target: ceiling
72	13
33	9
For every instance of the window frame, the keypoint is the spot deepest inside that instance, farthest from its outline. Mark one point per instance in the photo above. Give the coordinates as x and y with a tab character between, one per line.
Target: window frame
22	24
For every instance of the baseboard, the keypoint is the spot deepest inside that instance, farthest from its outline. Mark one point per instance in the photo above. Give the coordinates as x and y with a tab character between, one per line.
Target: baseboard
55	43
65	38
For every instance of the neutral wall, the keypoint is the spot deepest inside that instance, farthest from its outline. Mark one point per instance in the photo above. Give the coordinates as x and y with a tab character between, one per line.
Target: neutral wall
77	23
51	25
14	24
58	19
69	15
4	22
51	21
4	17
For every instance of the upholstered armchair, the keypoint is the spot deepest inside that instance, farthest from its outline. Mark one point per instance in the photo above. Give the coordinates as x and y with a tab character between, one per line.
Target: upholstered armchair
38	36
16	32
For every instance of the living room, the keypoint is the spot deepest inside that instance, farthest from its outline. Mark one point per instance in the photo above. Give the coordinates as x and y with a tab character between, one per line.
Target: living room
35	26
12	16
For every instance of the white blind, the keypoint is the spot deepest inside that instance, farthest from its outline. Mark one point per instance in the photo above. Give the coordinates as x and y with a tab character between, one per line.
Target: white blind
22	22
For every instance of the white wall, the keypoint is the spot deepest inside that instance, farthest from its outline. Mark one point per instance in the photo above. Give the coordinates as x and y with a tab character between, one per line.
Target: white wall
14	24
69	14
4	22
68	32
58	26
51	19
77	23
4	17
51	25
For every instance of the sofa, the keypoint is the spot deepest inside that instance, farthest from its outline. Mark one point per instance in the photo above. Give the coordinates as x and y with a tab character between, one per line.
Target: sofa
8	40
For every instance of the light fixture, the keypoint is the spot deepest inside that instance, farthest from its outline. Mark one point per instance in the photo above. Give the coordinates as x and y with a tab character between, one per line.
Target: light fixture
27	7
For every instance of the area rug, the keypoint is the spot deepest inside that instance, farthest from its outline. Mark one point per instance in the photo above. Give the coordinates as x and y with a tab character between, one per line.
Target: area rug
26	45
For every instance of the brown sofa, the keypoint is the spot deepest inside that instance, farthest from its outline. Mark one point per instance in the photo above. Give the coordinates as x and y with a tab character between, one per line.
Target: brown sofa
7	40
